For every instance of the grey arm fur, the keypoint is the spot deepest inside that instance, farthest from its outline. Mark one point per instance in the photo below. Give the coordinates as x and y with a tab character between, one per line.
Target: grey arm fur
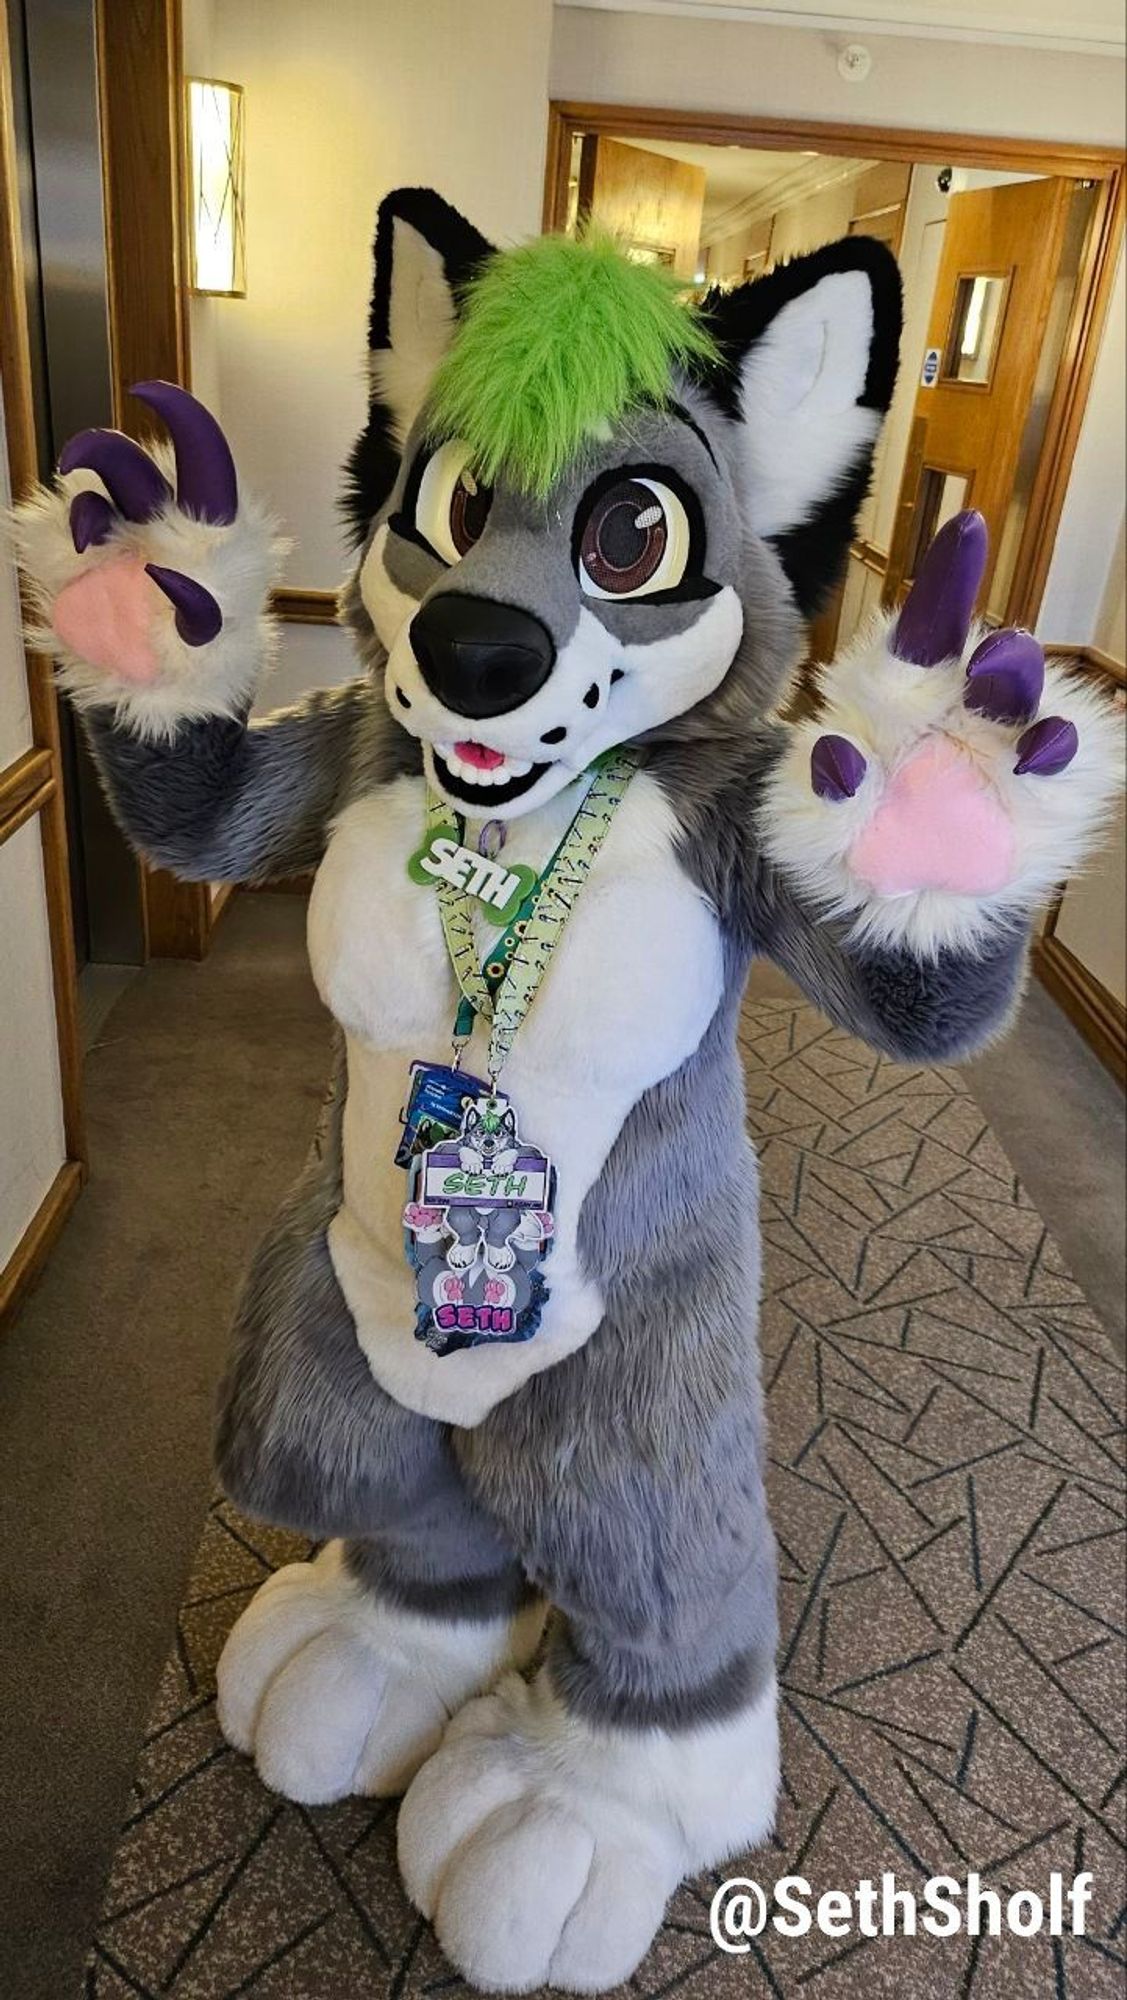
231	800
938	1010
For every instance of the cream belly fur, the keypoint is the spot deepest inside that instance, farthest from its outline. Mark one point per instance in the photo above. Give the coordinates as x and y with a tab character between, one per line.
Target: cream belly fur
626	999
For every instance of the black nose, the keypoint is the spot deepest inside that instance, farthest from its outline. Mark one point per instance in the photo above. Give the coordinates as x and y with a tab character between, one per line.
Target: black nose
479	657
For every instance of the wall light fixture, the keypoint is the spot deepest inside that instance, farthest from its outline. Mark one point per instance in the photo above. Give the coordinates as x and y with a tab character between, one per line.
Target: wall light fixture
216	188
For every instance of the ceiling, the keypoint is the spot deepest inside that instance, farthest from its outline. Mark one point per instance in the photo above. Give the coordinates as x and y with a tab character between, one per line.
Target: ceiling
1092	25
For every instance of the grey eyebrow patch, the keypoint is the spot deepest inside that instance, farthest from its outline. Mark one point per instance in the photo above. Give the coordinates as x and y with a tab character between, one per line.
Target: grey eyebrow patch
679	411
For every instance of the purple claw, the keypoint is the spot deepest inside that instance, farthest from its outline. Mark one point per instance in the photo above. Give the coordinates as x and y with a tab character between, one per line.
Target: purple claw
198	617
91	520
137	489
836	767
205	471
1047	748
936	614
1006	677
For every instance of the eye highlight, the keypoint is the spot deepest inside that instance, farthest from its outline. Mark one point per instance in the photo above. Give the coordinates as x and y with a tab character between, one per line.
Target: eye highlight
451	506
635	536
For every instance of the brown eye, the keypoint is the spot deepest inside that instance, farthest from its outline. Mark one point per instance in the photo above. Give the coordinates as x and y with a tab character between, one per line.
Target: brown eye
469	511
635	540
451	507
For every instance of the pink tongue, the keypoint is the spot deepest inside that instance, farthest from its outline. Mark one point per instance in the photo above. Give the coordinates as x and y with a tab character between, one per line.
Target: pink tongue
477	755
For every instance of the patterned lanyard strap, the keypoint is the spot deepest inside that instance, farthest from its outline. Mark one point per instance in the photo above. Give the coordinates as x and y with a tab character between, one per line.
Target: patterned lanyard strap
503	989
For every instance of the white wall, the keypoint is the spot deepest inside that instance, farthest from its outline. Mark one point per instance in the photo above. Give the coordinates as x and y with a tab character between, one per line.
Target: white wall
344	102
32	1145
1111	625
1085	557
806	225
761	70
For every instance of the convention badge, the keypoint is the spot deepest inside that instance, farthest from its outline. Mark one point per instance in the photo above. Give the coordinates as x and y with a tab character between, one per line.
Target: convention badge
435	1107
478	1227
443	858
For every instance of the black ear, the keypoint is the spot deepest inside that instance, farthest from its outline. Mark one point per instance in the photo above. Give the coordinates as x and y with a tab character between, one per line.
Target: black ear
424	253
809	357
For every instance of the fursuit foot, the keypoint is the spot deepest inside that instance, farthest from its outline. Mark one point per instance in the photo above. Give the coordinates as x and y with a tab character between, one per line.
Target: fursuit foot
333	1692
544	1849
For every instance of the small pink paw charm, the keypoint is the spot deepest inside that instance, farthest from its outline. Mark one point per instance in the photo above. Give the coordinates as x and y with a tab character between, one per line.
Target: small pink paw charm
416	1216
499	1291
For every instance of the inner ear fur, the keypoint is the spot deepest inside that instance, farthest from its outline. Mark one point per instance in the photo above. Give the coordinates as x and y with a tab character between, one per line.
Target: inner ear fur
808	362
424	252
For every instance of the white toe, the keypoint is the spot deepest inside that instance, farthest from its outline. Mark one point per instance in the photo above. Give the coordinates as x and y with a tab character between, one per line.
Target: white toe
290	1608
459	1788
316	1717
610	1929
508	1892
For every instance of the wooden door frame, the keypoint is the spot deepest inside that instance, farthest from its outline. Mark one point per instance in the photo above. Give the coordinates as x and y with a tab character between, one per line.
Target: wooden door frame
140	70
1104	165
32	786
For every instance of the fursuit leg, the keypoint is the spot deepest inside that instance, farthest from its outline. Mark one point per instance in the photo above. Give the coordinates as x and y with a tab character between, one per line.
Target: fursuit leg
545	1836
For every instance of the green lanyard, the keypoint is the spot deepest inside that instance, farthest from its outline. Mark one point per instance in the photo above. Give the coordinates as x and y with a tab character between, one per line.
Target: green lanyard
503	989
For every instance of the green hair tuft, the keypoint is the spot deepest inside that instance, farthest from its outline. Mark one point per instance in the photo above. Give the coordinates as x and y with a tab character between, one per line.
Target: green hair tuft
556	340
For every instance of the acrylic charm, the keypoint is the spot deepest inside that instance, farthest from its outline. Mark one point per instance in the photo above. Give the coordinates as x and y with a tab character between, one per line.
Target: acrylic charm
443	858
479	1225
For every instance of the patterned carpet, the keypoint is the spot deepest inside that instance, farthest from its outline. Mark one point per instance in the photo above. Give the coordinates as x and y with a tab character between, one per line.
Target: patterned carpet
947	1451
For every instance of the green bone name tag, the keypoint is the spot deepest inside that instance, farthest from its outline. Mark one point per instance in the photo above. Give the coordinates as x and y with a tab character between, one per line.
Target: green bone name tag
442	858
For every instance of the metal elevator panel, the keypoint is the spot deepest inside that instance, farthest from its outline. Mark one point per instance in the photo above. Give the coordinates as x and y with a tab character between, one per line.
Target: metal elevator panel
58	139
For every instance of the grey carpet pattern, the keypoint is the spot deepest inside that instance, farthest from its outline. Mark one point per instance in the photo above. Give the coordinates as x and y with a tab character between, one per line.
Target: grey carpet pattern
947	1447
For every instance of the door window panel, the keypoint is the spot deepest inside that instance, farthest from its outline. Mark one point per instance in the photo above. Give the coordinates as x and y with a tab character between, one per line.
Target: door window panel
976	323
941	495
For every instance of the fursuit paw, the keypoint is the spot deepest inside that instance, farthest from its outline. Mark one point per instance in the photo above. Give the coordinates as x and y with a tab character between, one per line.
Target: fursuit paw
333	1692
149	588
544	1849
952	781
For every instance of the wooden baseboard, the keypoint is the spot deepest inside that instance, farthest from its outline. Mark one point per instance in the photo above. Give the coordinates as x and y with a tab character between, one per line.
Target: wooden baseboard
1098	1015
305	607
30	1253
284	885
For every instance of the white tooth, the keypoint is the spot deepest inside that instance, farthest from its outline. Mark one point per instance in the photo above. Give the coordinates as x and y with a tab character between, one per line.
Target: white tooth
518	766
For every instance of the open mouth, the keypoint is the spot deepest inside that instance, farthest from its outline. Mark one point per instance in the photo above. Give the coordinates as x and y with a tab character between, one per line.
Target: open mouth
479	776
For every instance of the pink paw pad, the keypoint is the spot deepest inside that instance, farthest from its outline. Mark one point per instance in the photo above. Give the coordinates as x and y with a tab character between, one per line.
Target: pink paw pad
106	615
499	1291
937	827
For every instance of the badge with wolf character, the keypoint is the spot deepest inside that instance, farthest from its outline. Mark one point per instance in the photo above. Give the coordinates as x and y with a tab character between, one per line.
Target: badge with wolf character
479	1224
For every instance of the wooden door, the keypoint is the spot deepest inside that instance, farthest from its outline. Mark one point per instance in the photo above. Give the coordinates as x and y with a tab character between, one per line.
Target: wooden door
994	290
652	204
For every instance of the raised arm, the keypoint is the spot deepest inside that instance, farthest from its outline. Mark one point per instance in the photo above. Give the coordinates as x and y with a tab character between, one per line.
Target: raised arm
150	576
891	854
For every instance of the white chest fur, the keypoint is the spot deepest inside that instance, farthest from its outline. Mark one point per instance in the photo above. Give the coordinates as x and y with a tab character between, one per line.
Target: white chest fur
626	998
